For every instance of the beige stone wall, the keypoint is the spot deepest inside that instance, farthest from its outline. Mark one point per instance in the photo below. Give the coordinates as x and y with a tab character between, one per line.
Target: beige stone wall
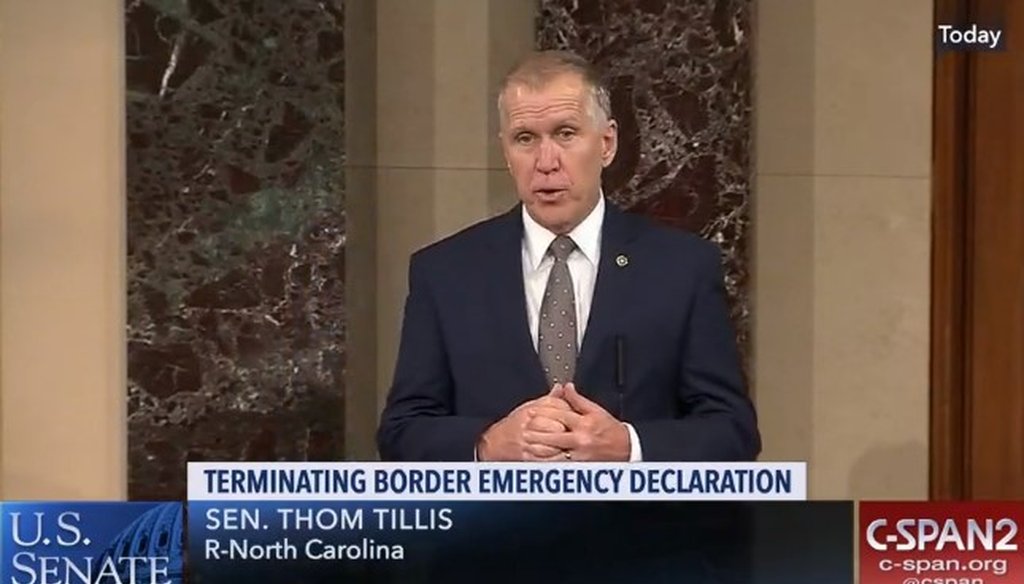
62	299
841	216
437	165
842	222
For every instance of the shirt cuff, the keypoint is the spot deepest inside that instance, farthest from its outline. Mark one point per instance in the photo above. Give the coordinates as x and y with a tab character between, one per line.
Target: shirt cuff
636	453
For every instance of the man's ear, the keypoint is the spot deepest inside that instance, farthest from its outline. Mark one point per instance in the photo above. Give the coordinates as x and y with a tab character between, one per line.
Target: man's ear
609	143
504	150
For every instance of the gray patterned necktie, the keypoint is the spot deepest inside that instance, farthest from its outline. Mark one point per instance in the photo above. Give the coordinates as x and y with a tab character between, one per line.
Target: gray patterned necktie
556	335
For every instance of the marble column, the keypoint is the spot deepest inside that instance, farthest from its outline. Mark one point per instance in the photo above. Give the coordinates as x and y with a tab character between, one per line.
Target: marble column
236	235
680	82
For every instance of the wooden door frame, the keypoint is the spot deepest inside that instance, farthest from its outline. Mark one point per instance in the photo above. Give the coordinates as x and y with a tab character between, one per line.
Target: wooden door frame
950	351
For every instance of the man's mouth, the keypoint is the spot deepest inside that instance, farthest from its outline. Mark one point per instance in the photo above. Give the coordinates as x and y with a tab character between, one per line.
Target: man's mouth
550	195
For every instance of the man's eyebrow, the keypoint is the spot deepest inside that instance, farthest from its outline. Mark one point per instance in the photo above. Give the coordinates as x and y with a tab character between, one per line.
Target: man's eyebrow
573	121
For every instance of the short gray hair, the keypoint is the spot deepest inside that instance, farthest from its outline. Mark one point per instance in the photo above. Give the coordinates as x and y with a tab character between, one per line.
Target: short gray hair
539	68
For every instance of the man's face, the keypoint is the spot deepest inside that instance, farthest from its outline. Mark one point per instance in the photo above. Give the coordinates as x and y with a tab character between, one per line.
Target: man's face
556	143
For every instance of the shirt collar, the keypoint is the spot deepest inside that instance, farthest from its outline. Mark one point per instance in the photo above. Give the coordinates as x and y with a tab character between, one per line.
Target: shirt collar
586	235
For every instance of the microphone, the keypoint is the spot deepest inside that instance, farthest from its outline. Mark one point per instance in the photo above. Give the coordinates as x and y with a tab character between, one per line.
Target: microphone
620	368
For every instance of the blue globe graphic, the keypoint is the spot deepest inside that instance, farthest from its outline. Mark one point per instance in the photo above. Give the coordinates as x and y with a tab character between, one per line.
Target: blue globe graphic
158	532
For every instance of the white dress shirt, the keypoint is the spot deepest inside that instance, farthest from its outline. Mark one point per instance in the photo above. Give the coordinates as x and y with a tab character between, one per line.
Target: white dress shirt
583	263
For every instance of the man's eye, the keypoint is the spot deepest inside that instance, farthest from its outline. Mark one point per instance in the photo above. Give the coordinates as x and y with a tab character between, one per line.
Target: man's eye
524	138
566	133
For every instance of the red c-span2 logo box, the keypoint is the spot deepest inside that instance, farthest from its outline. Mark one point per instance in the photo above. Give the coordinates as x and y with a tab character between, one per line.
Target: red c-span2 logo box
941	543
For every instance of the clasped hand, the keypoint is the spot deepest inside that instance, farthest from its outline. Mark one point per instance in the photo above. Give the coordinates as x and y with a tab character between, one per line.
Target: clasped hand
562	425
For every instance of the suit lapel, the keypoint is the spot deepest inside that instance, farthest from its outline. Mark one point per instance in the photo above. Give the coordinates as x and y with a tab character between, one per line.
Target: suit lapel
614	280
509	300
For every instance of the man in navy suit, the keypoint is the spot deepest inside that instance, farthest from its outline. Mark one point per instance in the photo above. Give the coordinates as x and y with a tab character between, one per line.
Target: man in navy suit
566	329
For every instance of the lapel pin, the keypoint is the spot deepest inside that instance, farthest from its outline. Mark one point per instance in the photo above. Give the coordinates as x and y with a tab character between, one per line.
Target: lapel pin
622	260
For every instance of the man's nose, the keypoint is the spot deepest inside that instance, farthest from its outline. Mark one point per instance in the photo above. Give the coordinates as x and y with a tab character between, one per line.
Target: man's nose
548	157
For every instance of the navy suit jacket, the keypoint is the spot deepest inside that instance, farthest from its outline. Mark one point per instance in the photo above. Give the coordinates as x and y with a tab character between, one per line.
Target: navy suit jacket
659	350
